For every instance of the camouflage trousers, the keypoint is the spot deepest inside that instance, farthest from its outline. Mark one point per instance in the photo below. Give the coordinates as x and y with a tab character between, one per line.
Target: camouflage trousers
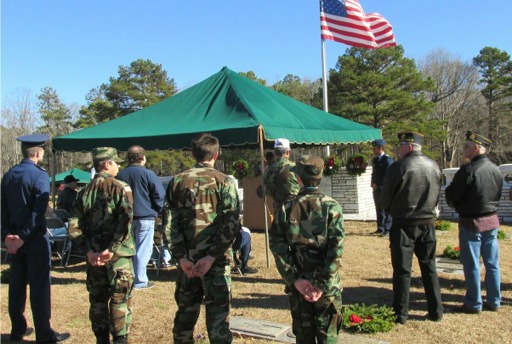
215	289
110	289
315	322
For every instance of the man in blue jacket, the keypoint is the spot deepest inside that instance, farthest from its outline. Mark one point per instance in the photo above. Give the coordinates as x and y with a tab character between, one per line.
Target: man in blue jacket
148	201
380	164
24	196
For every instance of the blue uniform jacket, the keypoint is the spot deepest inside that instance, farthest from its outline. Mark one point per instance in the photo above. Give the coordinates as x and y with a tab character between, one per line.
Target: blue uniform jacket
25	194
379	168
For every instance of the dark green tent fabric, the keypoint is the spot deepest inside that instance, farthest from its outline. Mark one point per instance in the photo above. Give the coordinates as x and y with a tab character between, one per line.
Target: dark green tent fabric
82	176
230	107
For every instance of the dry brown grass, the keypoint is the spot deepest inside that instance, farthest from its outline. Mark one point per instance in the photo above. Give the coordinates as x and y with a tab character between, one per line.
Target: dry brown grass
367	278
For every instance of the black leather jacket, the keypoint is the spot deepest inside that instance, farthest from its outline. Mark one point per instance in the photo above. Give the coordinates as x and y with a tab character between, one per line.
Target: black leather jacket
411	190
476	188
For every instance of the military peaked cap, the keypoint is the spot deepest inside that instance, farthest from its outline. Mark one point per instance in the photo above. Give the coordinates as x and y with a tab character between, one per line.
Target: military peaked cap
478	139
410	138
34	140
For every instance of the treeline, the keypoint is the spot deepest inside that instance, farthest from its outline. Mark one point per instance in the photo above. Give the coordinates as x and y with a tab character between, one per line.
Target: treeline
440	96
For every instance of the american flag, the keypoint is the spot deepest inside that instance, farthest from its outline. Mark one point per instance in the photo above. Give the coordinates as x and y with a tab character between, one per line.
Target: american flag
344	21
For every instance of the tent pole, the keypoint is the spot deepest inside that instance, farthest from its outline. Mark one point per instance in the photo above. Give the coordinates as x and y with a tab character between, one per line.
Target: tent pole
52	171
264	193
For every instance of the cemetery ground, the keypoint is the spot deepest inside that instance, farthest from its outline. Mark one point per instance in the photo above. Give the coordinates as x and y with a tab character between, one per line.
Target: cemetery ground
366	271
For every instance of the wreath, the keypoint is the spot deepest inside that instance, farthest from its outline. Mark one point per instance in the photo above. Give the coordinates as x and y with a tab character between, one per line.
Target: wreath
452	252
356	165
240	168
368	319
331	165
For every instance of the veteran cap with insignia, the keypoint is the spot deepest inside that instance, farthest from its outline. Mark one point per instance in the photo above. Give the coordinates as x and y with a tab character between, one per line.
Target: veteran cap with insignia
378	143
34	140
282	143
105	153
478	139
410	138
309	167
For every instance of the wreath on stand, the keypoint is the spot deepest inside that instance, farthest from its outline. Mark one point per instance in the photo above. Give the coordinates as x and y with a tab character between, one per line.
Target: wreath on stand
331	165
240	168
356	164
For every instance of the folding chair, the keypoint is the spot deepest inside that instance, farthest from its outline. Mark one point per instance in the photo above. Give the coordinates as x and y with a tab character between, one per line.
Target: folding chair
61	214
236	251
159	244
58	232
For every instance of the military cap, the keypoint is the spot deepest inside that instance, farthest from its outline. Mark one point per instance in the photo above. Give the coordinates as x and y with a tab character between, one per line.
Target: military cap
282	143
309	167
379	143
410	138
70	179
478	139
34	140
105	153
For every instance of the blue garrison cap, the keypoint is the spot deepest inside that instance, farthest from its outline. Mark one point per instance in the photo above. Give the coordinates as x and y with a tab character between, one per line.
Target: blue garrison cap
379	142
34	140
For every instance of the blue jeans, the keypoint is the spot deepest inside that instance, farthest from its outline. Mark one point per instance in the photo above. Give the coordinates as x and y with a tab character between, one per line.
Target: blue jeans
472	246
143	231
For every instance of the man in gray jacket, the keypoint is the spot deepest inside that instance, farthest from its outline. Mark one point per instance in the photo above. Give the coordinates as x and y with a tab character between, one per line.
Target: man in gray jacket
410	194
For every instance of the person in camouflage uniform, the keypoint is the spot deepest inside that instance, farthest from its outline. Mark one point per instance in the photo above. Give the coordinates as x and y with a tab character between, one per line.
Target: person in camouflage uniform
203	219
100	224
306	240
279	179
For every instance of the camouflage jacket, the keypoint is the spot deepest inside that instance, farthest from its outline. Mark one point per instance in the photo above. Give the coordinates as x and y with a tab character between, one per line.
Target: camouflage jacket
201	213
307	238
281	183
101	217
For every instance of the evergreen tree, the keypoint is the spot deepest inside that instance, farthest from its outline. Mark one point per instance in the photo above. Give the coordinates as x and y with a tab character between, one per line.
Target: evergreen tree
495	67
55	115
380	88
139	85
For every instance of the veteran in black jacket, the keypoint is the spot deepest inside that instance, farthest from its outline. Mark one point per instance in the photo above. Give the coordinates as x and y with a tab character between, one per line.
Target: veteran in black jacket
475	193
411	194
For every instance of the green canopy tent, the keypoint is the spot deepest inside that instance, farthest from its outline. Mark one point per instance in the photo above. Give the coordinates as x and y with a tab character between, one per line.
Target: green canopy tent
238	111
82	176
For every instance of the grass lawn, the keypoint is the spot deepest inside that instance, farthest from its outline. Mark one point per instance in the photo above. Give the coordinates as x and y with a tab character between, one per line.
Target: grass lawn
366	271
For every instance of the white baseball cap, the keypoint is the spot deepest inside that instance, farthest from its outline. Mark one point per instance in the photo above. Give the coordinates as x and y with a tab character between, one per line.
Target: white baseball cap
282	143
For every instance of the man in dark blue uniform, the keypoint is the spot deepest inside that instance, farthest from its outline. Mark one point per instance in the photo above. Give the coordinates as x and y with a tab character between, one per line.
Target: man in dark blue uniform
380	164
25	194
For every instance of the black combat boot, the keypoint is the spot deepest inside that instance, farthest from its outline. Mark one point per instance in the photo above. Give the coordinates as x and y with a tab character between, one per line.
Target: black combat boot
103	337
121	340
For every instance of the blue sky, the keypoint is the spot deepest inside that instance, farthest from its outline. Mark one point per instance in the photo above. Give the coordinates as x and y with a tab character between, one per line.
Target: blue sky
76	45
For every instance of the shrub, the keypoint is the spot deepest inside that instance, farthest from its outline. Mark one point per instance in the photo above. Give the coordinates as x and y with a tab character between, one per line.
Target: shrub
442	225
452	252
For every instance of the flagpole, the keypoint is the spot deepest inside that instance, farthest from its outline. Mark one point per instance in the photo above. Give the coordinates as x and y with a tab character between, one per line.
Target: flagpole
324	89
